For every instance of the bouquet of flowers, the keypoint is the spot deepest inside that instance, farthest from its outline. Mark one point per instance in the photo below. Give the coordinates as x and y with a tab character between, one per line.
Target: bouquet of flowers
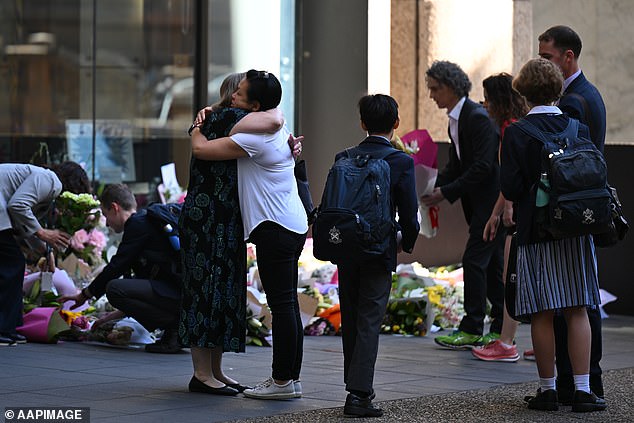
421	147
79	216
88	246
76	212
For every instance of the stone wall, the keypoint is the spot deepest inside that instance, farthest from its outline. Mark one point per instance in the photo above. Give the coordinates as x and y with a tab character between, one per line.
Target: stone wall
607	56
481	36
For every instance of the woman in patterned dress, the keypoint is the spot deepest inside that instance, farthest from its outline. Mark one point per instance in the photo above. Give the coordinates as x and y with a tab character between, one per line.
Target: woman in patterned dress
212	318
274	220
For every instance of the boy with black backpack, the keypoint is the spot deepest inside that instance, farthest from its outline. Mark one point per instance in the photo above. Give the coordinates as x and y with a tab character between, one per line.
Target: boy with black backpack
152	295
365	273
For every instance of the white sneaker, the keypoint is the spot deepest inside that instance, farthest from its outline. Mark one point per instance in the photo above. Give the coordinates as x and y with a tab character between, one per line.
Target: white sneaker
271	390
297	385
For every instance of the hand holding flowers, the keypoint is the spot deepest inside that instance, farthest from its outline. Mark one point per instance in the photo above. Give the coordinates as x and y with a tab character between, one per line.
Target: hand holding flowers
76	212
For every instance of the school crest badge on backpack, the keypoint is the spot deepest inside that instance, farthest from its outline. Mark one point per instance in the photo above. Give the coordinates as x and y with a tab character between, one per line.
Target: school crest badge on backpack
354	220
572	197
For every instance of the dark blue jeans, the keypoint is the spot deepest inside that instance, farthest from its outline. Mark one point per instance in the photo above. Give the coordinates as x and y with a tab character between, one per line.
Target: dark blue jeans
278	251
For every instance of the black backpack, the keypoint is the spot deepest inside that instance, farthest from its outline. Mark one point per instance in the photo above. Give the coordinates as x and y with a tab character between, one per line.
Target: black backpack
166	216
165	260
354	220
578	197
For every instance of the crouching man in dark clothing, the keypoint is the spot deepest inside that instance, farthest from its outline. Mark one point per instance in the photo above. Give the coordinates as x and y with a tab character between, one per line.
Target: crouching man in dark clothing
152	297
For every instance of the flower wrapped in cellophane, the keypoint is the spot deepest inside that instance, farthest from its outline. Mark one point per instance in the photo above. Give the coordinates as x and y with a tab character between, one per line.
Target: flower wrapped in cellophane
79	215
76	212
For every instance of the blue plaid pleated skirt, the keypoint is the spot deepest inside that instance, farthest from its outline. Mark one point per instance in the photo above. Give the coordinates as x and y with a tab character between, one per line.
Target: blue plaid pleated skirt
556	274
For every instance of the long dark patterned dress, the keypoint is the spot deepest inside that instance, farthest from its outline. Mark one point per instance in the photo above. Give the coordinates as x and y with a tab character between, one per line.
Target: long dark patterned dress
213	249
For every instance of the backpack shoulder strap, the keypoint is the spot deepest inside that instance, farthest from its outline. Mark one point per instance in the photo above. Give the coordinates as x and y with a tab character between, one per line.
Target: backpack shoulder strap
572	130
531	130
378	154
584	105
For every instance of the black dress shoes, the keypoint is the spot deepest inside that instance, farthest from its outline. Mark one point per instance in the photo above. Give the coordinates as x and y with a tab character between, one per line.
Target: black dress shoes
546	400
565	396
19	339
361	407
238	387
168	344
7	341
197	386
584	402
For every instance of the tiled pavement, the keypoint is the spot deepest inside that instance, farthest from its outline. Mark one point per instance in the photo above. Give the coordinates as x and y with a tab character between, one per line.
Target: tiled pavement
128	385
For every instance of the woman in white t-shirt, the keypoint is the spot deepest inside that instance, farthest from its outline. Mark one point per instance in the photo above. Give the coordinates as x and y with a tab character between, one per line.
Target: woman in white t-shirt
274	220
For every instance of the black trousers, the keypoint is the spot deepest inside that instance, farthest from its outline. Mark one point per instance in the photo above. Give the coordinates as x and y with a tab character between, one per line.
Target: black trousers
11	279
278	251
565	381
364	291
137	299
483	263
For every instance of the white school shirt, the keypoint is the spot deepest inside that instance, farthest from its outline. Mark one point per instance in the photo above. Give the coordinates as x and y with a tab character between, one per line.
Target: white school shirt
266	183
454	115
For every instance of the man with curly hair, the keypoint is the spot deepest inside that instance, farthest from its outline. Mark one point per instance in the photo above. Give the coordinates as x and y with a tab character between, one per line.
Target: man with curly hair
472	175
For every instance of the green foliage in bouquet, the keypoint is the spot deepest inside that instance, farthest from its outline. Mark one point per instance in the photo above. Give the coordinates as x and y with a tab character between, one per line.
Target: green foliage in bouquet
77	211
257	332
405	316
38	298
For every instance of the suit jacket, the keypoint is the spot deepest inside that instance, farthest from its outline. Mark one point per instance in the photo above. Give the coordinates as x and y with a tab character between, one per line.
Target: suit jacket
402	194
26	194
475	176
594	117
145	250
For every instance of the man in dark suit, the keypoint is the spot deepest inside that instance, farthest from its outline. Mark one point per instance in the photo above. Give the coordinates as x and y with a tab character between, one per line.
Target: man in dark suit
152	297
364	287
581	100
471	175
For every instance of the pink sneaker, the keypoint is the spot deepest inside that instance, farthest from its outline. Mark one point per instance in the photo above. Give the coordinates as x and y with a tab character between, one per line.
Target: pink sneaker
529	355
496	351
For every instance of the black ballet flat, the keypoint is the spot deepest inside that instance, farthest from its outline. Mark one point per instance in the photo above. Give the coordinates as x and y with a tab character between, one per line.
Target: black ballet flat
238	387
197	386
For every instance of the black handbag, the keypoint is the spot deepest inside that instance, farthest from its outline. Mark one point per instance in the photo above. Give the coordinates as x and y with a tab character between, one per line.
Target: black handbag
510	287
303	188
619	226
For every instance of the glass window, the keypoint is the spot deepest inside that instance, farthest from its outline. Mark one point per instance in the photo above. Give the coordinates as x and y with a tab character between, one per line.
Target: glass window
110	83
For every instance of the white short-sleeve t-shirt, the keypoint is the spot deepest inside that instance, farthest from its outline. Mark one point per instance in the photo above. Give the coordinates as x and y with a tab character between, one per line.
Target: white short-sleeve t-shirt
266	183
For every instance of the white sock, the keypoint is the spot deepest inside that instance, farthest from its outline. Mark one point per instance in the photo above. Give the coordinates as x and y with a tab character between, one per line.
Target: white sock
582	382
546	383
506	345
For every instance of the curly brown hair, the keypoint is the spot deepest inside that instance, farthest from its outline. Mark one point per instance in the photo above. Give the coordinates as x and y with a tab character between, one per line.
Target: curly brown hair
504	103
539	81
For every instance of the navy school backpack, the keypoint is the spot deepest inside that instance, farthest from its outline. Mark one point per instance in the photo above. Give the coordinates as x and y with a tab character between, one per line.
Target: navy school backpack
575	181
166	216
354	220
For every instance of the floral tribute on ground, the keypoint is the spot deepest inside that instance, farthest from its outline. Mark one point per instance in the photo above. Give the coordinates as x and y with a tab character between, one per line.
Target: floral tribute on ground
422	299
